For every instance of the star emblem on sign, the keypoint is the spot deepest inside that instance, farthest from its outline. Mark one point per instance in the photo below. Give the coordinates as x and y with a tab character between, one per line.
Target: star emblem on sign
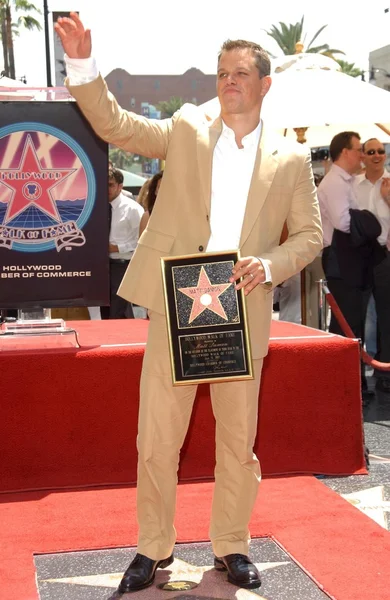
205	295
31	184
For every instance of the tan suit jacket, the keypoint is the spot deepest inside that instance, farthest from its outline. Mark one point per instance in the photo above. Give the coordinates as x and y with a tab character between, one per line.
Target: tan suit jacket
282	190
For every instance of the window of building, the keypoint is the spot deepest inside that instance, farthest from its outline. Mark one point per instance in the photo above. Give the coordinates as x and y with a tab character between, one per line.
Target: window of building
132	102
157	84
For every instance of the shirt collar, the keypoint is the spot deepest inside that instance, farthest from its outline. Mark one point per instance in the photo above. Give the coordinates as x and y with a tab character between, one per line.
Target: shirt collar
340	171
115	203
363	179
360	178
248	141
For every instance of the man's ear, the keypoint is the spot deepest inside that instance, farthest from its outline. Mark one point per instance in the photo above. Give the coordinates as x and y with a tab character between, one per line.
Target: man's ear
266	84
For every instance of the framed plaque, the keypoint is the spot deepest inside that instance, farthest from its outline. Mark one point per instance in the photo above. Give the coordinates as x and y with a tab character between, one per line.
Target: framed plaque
206	318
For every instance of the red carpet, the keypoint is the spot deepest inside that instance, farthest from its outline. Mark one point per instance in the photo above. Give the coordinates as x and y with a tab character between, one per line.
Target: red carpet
70	415
345	552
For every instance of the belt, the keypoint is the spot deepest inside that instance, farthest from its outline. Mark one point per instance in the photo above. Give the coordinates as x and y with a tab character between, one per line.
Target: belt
120	261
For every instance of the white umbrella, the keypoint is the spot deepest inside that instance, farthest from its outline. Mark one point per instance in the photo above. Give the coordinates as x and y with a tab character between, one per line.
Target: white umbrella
308	90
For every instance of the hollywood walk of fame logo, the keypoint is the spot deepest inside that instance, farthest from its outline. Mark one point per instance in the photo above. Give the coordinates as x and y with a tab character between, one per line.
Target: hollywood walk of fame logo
45	191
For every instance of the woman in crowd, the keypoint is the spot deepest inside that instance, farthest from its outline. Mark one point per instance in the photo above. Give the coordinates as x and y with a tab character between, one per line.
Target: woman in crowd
152	191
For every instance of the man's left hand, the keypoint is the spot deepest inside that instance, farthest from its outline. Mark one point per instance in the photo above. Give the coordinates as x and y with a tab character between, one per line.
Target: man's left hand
113	248
251	270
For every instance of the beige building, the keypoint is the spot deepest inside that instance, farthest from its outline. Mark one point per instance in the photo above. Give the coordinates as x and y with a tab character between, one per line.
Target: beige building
133	90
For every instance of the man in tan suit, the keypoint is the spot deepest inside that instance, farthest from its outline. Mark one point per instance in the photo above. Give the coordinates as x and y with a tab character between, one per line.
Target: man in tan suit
228	183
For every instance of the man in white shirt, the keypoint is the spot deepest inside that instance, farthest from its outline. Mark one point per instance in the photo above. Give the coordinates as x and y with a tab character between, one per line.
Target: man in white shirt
212	166
336	197
125	217
372	194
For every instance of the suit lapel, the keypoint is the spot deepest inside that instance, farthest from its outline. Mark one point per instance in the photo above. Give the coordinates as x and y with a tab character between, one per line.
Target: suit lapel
207	137
264	171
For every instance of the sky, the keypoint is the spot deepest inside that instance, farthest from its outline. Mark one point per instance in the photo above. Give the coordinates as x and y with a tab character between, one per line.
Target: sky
170	37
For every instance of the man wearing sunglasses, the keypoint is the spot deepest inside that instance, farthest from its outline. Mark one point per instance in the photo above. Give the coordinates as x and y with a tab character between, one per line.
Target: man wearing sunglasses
372	193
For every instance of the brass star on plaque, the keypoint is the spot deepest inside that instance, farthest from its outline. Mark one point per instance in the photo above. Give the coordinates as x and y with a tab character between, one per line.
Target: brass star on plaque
205	295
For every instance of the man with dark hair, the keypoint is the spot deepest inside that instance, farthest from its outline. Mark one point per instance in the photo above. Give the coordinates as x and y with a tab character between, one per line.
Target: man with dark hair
261	57
125	217
372	193
346	148
228	183
348	282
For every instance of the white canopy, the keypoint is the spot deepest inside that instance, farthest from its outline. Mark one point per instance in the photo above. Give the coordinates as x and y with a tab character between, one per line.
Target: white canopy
308	90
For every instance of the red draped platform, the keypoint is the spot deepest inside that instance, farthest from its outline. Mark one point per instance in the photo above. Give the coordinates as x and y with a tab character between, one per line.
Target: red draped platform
69	415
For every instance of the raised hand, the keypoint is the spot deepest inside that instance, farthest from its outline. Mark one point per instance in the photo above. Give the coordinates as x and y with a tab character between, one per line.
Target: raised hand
75	39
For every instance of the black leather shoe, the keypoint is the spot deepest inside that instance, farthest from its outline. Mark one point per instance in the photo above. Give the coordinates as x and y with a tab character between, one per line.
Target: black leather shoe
383	385
141	573
241	571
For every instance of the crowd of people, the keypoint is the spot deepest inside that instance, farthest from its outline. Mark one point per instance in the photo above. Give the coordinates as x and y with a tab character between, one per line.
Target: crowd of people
355	209
128	218
354	200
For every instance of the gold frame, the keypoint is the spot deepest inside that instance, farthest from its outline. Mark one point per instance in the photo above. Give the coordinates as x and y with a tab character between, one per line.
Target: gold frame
244	329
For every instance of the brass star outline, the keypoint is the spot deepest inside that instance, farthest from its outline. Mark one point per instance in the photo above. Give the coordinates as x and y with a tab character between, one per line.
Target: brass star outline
205	296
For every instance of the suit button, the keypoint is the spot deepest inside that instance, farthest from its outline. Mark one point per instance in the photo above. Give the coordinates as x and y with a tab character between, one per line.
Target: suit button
200	248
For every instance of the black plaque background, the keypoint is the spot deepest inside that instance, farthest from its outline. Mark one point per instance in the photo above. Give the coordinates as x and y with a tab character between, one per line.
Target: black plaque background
212	328
93	256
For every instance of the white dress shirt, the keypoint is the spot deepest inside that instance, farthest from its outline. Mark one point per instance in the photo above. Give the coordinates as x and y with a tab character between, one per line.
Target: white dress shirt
368	196
336	197
231	174
126	216
230	182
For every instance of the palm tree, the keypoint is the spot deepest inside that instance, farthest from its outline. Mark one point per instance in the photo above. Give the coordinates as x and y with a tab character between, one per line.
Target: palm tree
120	158
169	107
9	29
349	68
287	36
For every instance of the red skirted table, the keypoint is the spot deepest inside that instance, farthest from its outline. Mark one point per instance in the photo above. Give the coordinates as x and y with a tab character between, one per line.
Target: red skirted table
69	415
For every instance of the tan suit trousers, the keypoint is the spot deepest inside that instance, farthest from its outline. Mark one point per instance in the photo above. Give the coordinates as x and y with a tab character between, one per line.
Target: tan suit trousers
164	418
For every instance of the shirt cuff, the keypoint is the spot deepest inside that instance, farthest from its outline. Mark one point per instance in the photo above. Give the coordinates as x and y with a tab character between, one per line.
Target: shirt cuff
267	272
125	248
81	70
